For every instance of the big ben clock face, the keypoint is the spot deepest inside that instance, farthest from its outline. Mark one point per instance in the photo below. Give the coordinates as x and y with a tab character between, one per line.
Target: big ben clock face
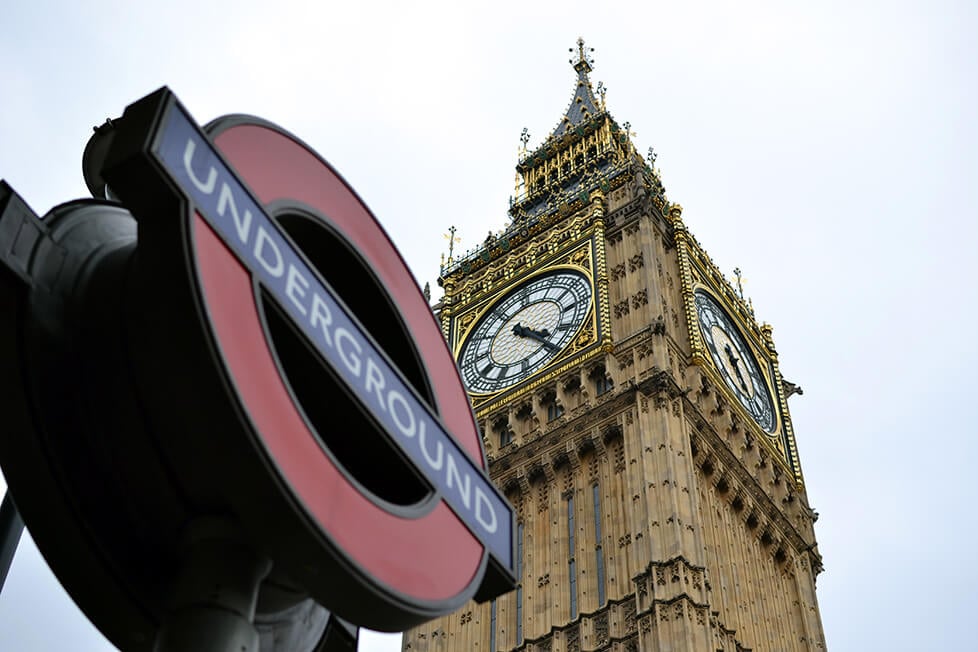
734	360
524	331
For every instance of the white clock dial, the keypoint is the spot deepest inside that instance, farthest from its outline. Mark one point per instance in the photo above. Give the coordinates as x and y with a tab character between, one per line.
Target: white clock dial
736	363
526	329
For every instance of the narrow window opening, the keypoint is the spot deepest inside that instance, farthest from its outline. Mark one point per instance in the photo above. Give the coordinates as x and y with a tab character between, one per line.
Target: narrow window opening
503	430
554	411
602	383
599	553
492	626
519	586
571	563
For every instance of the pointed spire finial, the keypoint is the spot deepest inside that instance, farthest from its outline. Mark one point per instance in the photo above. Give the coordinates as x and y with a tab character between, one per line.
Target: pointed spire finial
585	61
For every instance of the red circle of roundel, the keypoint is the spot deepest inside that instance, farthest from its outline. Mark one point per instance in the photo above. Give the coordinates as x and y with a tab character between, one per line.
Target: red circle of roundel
432	558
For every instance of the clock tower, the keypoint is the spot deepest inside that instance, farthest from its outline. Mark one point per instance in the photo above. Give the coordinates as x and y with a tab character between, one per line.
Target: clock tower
634	414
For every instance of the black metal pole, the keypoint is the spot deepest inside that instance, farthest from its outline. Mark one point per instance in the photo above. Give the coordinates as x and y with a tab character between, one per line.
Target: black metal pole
11	527
214	592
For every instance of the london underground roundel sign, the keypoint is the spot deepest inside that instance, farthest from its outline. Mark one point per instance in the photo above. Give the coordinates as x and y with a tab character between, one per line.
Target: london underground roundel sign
324	410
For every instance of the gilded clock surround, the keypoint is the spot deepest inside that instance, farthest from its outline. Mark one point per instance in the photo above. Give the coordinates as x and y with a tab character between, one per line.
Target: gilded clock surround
697	271
576	244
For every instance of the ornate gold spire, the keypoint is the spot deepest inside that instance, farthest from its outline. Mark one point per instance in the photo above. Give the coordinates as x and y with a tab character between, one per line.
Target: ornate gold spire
584	105
587	152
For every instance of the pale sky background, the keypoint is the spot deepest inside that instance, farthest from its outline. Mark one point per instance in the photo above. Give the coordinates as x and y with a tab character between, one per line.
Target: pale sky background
827	149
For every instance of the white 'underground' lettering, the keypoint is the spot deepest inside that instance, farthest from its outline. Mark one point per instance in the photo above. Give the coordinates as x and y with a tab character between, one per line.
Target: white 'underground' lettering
296	283
321	317
264	242
435	464
188	154
375	381
267	253
242	223
481	500
352	362
465	490
407	429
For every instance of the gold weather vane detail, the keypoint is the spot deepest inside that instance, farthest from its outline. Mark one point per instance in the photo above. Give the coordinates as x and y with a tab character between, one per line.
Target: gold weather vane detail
740	290
520	156
740	280
524	139
452	239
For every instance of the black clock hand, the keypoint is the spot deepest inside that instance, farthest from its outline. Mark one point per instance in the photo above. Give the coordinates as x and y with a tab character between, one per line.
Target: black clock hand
539	336
736	365
535	333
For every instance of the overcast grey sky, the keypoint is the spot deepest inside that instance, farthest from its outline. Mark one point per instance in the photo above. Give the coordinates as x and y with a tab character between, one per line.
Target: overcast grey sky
827	149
